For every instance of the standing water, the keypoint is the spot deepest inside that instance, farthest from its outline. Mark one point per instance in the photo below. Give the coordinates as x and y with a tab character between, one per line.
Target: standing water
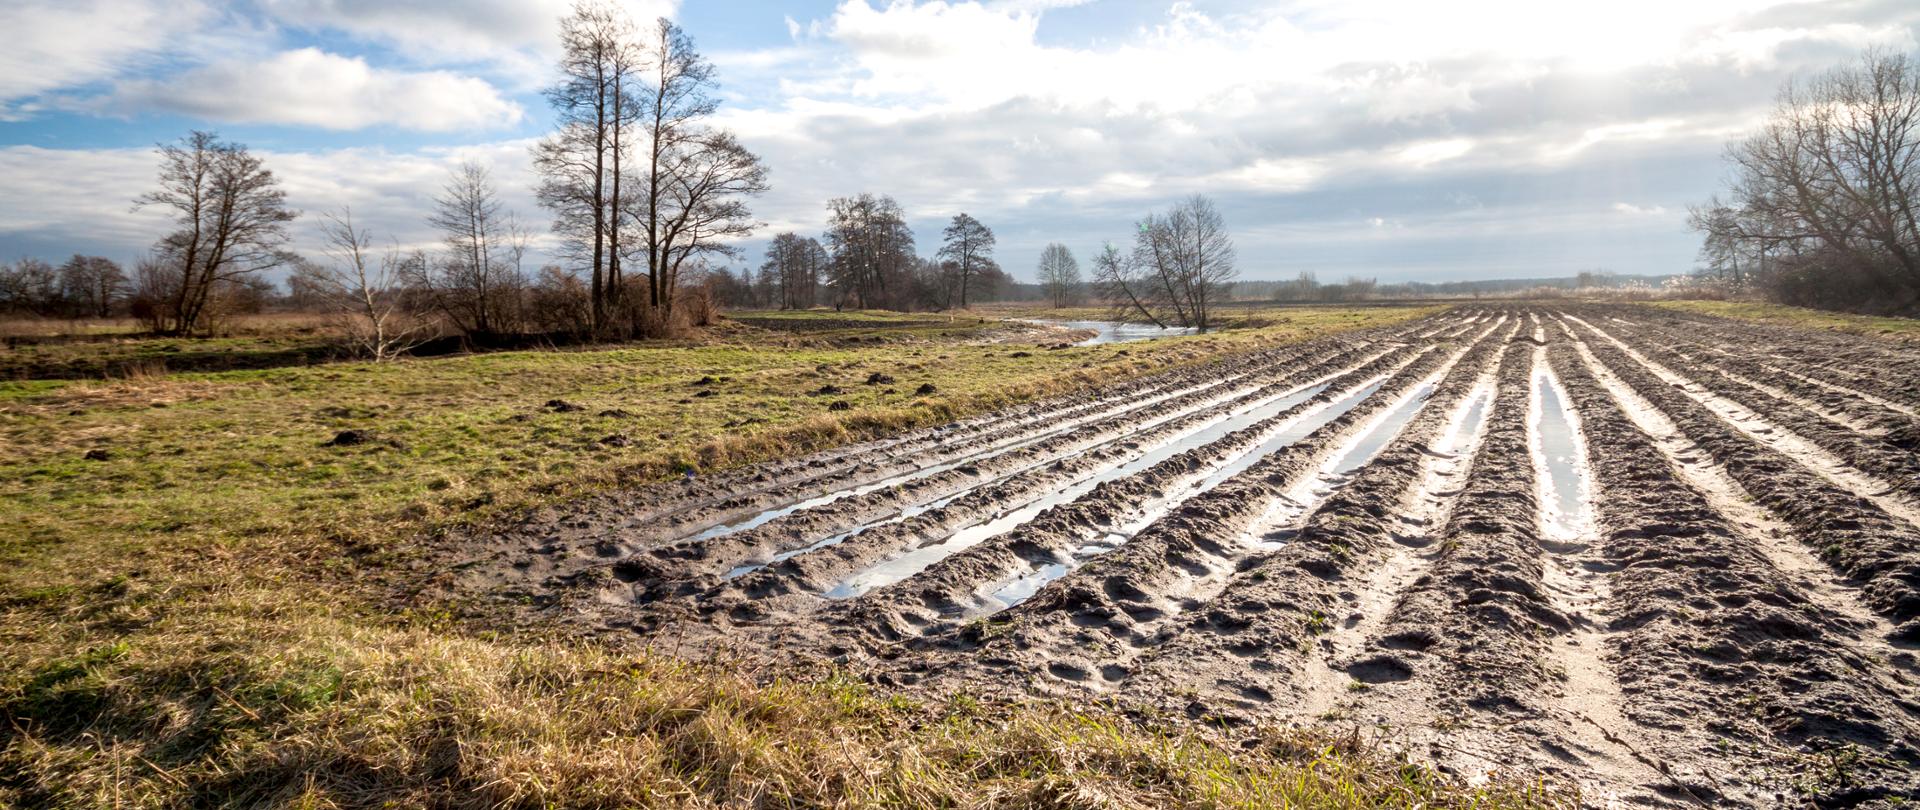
1560	459
1119	331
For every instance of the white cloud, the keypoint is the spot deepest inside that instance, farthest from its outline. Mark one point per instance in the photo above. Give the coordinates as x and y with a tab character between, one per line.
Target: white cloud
54	44
1632	210
518	37
1426	153
309	87
83	197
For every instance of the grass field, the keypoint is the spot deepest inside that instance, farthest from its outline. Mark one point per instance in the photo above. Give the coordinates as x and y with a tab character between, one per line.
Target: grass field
1896	328
191	616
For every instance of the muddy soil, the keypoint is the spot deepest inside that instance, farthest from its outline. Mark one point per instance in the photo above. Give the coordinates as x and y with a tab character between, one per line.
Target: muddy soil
1672	560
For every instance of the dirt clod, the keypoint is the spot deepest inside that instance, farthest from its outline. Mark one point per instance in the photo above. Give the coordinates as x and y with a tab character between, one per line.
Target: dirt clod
926	389
350	438
562	406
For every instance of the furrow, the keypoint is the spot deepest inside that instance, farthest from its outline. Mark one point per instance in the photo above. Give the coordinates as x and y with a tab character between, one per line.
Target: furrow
1875	550
1819	357
1773	536
1470	638
838	567
1084	628
674	569
1698	616
1282	636
1002	499
1009	568
643	517
1843	472
1898	467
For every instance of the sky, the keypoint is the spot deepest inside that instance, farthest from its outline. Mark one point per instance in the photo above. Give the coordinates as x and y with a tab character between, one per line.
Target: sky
1394	139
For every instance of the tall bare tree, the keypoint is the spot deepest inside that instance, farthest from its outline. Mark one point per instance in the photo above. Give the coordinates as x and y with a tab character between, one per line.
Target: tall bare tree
364	289
694	180
1059	274
230	214
581	164
1830	184
476	283
969	246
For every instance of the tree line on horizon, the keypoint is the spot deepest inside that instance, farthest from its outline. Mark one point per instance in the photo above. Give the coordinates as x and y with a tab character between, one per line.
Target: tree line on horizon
866	259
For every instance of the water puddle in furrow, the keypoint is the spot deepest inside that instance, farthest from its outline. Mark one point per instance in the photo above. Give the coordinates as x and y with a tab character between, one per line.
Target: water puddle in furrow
1195	437
1275	525
913	562
770	515
1361	451
1560	459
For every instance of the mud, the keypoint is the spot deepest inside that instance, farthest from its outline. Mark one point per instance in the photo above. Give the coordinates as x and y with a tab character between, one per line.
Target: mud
1672	560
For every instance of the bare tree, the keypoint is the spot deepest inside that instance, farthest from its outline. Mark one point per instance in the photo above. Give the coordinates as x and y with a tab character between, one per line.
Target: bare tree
477	282
91	285
30	286
792	270
362	288
231	216
1826	190
969	246
581	164
694	179
1181	266
1059	274
1118	279
872	250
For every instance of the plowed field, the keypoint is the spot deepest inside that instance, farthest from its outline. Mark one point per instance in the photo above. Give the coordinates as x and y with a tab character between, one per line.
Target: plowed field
1672	559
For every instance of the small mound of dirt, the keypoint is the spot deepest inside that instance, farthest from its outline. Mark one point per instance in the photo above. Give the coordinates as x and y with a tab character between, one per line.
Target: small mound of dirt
616	413
616	440
1021	354
707	393
98	454
926	389
350	438
704	381
562	406
878	378
828	390
840	405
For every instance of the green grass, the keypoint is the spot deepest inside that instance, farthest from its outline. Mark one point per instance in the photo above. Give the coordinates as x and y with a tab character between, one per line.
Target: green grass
134	355
191	622
1798	317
